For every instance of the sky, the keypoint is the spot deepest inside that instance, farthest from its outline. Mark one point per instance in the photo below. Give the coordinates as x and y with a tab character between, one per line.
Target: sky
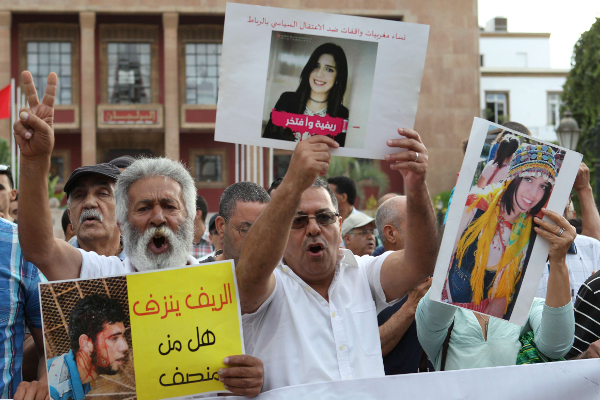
565	20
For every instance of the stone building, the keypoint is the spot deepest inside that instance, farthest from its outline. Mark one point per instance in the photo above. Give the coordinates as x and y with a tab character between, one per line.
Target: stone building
141	77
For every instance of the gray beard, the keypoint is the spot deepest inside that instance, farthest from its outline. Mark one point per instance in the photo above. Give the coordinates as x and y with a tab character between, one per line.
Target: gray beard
136	246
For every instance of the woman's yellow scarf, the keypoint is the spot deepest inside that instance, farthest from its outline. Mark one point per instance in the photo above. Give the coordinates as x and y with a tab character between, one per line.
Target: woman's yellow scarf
508	270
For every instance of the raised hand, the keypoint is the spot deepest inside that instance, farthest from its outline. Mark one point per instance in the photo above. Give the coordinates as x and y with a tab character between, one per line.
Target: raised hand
560	234
33	130
412	164
310	159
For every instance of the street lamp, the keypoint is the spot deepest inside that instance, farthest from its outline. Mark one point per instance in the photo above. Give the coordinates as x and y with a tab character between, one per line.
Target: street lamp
568	131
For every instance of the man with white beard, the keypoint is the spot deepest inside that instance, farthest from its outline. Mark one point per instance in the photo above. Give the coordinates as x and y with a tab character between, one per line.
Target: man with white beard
155	208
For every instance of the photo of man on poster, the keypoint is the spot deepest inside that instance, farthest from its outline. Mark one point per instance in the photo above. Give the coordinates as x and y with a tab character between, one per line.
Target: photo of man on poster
98	347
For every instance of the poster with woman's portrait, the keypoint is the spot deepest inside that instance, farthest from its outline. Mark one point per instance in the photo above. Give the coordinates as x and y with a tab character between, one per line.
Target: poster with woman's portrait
287	75
491	258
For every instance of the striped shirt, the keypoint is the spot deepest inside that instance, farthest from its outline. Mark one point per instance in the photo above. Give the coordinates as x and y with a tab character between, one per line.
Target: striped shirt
19	305
587	315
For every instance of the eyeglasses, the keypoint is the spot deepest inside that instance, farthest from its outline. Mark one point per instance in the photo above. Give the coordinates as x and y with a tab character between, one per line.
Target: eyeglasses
243	231
322	218
364	232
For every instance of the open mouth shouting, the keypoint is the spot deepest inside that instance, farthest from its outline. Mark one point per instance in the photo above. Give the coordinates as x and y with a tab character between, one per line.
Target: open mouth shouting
315	250
159	243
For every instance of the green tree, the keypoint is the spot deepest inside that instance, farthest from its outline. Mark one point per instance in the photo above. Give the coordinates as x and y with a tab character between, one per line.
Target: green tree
363	173
581	92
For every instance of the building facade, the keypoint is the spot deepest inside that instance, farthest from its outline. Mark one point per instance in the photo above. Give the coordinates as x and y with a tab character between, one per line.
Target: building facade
141	78
517	81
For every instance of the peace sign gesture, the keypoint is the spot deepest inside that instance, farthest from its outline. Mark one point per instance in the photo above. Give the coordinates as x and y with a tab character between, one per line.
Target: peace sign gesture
34	131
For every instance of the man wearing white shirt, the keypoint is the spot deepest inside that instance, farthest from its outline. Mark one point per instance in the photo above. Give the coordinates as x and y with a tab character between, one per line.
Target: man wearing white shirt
312	316
155	209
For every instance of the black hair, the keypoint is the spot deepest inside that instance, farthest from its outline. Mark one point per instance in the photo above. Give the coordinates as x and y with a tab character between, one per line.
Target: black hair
246	192
202	206
274	185
336	94
506	149
344	185
8	173
89	316
511	191
65	221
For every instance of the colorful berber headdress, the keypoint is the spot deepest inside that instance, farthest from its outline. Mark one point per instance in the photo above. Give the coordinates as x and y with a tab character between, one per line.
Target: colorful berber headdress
533	160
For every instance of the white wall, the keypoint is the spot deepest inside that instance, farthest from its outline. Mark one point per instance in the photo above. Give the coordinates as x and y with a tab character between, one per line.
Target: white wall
527	100
508	52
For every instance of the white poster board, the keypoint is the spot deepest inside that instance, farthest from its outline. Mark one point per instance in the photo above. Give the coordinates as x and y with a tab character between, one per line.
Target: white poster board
485	185
277	63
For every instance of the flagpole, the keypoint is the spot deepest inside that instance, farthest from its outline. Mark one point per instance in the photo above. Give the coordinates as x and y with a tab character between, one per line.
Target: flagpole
13	118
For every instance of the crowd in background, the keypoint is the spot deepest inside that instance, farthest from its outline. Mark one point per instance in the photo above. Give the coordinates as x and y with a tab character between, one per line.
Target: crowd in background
314	272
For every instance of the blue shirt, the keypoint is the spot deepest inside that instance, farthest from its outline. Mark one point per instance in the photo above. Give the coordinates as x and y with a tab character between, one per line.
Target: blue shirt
19	305
64	380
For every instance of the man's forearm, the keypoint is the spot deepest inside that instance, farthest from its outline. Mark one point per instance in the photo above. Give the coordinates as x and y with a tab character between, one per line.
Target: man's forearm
589	213
35	222
394	328
421	243
265	244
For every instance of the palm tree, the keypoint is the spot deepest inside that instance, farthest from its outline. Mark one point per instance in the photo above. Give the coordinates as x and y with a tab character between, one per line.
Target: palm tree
362	171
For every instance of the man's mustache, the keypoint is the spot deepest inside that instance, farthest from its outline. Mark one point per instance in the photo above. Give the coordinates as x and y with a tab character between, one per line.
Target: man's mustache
91	213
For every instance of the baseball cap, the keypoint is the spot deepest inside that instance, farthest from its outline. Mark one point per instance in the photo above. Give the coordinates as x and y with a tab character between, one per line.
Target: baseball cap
104	169
355	220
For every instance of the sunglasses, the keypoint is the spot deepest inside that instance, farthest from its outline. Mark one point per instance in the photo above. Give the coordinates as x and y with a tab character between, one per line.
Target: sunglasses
322	218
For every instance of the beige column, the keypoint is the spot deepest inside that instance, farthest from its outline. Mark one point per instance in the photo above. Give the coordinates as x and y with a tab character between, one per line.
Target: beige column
5	20
171	54
87	23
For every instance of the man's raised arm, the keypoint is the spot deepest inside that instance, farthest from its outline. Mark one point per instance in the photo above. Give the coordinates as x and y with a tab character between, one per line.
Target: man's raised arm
267	239
405	269
34	134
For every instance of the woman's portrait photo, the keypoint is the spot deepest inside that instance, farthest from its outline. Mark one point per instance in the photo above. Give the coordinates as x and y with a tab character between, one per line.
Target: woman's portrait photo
513	181
318	86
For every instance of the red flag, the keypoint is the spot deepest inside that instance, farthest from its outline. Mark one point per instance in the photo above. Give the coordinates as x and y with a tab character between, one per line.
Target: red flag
5	102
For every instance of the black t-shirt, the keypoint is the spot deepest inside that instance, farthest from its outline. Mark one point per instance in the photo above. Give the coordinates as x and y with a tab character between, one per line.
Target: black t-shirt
406	356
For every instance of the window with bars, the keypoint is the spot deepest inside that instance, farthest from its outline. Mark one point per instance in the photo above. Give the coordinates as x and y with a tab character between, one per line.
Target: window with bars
208	168
129	73
202	62
46	57
554	103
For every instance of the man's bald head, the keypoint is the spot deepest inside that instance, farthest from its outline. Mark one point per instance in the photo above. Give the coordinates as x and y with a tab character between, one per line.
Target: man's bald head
385	198
390	219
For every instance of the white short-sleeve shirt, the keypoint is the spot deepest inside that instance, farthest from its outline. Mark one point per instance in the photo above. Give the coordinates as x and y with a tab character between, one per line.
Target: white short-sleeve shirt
581	266
95	266
302	338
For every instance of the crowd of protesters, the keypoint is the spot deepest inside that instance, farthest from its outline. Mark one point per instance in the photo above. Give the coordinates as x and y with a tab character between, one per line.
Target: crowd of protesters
314	273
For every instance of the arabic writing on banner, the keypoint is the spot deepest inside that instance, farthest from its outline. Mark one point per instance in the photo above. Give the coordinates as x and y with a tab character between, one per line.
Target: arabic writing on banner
183	323
321	27
313	124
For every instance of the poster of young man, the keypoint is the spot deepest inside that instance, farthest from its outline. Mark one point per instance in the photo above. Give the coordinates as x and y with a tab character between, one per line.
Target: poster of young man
491	258
177	324
287	75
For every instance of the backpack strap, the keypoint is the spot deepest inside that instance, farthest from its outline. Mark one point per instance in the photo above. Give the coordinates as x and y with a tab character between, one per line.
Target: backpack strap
445	347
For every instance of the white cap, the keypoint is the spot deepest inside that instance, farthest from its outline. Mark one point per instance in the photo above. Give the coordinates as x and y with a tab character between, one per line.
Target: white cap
355	220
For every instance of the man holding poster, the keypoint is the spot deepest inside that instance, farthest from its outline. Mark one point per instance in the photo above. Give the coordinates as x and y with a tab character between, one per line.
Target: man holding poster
320	304
155	208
